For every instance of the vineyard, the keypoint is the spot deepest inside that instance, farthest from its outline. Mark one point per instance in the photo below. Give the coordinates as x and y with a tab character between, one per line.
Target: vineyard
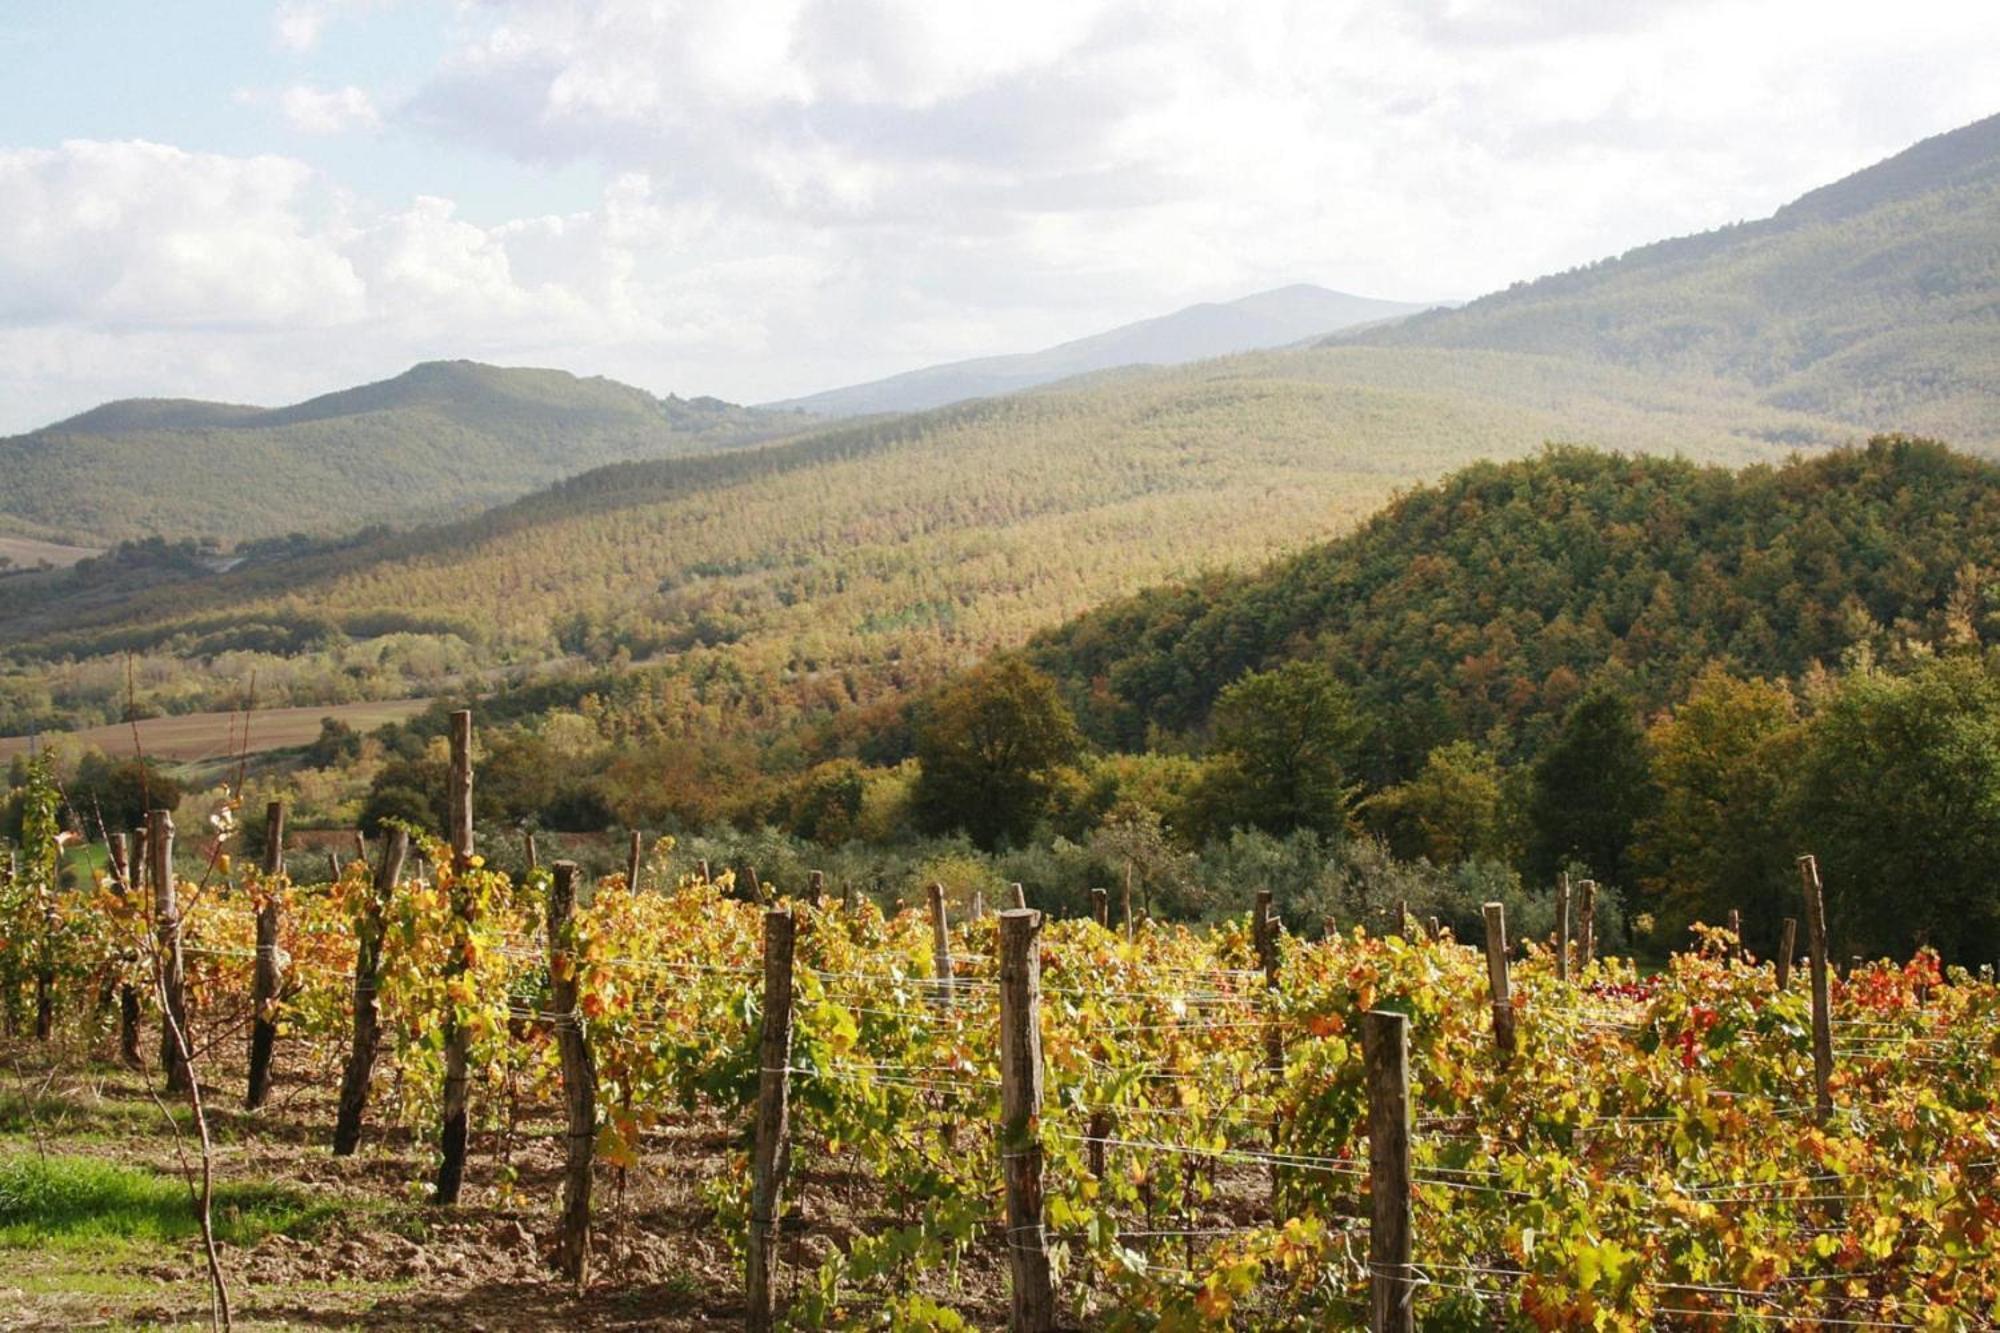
940	1116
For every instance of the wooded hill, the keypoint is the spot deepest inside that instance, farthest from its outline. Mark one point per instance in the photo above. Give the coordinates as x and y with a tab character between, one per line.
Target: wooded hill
1483	607
442	438
1875	299
820	572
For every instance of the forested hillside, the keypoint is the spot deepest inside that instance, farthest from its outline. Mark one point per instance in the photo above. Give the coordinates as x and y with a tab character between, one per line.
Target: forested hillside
443	438
1483	607
820	572
1874	299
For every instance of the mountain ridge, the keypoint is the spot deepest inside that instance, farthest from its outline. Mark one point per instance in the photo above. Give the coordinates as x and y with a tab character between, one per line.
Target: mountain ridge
1257	322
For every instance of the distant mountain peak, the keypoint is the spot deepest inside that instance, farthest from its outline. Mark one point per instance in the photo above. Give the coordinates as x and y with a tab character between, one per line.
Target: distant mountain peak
1274	318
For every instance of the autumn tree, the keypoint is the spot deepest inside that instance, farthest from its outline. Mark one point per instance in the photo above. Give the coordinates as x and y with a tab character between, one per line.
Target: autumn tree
1453	810
1283	744
1720	838
1591	788
989	748
1900	800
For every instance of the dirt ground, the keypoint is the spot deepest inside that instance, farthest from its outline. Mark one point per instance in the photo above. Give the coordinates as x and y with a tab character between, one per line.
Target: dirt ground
381	1257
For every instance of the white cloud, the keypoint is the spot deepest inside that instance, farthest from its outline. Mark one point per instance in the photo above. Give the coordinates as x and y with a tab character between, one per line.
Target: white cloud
328	110
806	192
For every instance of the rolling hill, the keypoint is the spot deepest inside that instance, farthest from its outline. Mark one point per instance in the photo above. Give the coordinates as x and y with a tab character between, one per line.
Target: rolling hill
1481	607
810	575
1875	299
1265	320
439	439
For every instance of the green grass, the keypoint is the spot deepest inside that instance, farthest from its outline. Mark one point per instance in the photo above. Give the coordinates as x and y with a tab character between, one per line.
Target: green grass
64	1200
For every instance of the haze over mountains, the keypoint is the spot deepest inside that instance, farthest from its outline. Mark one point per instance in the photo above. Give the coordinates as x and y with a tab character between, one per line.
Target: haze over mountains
1264	320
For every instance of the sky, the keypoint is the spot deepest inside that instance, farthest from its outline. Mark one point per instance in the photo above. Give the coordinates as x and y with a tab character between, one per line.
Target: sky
256	202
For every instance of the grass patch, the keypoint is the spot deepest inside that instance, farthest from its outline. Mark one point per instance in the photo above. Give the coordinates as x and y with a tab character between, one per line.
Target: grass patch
59	1200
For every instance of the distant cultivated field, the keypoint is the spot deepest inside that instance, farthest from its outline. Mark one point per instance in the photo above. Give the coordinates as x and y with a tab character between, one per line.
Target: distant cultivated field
27	553
192	737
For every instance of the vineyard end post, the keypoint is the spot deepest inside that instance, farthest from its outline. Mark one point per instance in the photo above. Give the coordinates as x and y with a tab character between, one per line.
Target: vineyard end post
1788	950
1496	976
1822	989
1391	1281
1562	927
172	974
1100	907
772	1153
454	1121
367	976
1032	1291
264	985
940	944
579	1076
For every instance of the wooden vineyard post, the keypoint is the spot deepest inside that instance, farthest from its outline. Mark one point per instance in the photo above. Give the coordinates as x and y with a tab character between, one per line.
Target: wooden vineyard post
1130	924
126	877
850	902
533	853
754	887
772	1154
264	986
1586	929
1496	976
579	1076
1402	918
1032	1301
454	1124
1265	934
940	945
1020	899
171	972
1391	1281
816	885
1822	989
1788	949
701	871
635	857
1736	935
978	904
1562	928
1100	907
367	975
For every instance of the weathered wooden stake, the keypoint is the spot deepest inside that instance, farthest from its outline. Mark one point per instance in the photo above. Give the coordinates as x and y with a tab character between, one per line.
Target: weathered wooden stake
1788	950
367	974
264	985
1496	977
1402	918
167	934
816	885
635	857
754	887
701	871
579	1076
1100	907
1130	923
1587	927
1391	1280
1032	1307
1822	989
127	873
978	904
534	852
771	1157
1020	899
940	945
454	1124
1736	935
1562	928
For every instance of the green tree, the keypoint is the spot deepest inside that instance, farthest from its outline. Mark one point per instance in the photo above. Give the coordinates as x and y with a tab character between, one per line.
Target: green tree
1282	746
1720	838
989	747
1592	787
1454	810
1900	800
